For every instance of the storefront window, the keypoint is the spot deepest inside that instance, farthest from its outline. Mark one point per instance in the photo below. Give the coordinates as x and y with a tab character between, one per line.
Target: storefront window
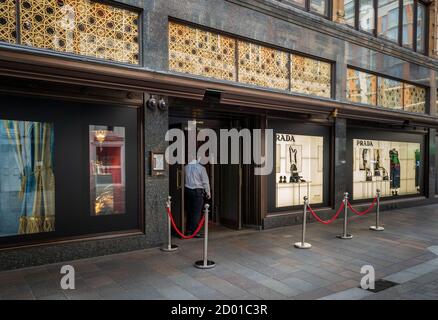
414	98
394	20
421	27
310	76
387	19
361	87
390	94
392	167
349	10
83	27
299	169
319	6
27	180
107	170
299	3
366	15
408	23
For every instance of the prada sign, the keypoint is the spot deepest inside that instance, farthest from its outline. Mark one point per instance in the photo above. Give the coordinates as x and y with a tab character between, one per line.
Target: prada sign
364	143
285	137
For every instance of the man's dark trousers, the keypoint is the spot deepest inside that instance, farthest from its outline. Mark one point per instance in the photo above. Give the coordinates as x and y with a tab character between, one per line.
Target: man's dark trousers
194	199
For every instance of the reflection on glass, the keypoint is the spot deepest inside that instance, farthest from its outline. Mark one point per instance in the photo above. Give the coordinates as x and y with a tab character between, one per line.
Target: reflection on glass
107	170
390	93
366	15
361	87
299	169
408	23
421	27
392	167
27	180
300	3
319	6
349	10
387	19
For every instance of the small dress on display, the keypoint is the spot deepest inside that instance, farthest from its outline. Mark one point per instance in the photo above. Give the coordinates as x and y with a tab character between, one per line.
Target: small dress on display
365	159
295	176
395	169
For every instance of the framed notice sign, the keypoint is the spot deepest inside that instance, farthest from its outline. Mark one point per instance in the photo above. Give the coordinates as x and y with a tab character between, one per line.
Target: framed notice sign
158	165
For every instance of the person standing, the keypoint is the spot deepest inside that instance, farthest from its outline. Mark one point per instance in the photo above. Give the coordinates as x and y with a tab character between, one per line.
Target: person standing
197	185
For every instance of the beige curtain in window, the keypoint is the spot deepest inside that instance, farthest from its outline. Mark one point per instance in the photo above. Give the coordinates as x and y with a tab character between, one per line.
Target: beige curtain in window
16	139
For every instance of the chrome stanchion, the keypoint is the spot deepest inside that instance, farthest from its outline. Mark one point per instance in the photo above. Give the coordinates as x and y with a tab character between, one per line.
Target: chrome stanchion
205	263
377	227
169	247
345	235
303	244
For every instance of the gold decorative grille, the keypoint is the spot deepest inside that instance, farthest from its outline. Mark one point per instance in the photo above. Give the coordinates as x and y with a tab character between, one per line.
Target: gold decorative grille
390	93
310	76
7	21
414	98
205	53
200	52
263	66
82	27
361	87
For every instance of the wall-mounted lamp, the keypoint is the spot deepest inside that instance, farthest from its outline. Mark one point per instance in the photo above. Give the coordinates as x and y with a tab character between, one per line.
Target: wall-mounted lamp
162	104
333	114
152	103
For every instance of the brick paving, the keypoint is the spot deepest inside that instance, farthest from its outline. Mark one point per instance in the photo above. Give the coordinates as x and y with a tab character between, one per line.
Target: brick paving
258	265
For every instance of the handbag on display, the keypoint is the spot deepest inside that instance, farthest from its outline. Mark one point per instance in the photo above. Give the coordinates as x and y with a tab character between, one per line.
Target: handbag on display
369	176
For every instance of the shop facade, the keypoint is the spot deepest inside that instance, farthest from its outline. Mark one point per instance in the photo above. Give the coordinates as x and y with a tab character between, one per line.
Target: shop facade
88	95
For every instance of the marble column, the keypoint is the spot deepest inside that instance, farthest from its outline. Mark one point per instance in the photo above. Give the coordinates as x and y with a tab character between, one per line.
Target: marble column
156	187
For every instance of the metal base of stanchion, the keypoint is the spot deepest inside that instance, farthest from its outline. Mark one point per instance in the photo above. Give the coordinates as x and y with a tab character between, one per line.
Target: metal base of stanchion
374	228
200	264
302	245
347	236
172	248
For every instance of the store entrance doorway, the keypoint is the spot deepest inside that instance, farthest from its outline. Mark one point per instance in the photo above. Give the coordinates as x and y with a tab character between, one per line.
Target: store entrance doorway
225	182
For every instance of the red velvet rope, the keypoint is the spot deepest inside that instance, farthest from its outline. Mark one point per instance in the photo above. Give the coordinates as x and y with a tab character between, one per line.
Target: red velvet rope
182	235
365	211
332	219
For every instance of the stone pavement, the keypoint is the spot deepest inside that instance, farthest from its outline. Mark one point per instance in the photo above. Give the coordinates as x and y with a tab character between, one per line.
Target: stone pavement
258	265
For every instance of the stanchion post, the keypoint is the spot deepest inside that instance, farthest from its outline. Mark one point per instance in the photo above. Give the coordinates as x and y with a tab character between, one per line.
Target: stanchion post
169	247
345	235
377	227
303	244
205	263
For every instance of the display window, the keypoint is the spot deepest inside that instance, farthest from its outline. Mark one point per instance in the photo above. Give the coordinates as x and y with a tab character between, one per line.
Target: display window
393	167
107	170
299	169
27	180
302	165
74	161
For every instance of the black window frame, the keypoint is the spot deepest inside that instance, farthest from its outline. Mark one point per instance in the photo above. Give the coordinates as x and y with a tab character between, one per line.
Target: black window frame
400	24
306	7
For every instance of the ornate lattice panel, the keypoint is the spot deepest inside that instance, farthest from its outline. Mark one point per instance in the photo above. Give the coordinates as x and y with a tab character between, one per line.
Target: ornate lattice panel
7	21
263	66
82	27
361	87
310	76
414	98
390	93
199	52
